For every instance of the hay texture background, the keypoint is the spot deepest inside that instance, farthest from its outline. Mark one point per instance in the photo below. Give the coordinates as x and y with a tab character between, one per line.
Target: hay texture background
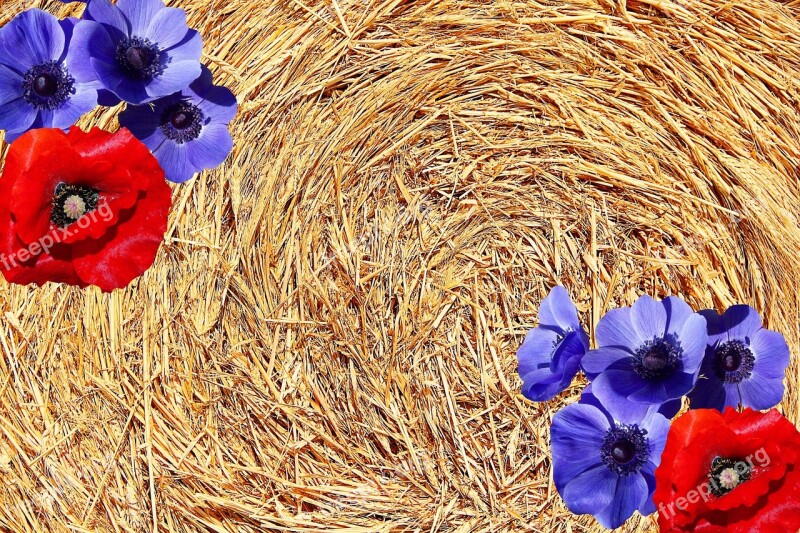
327	339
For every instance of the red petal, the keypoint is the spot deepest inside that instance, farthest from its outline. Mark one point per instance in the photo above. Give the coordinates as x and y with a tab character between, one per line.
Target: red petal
127	251
39	269
37	162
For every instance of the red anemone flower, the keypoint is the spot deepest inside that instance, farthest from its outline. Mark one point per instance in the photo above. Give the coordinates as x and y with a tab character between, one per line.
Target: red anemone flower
729	472
80	208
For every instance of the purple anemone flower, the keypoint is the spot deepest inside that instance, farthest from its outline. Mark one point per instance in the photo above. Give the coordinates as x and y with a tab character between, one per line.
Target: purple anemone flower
37	90
551	354
647	354
186	131
604	460
744	363
139	50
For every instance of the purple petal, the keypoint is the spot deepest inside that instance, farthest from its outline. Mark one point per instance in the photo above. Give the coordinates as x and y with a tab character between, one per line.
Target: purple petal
714	326
174	160
761	393
211	148
541	385
31	38
616	329
591	491
79	103
544	378
139	13
105	12
557	310
653	393
708	392
570	352
176	77
670	408
678	385
596	361
741	321
10	85
657	427
167	28
16	117
693	340
678	312
649	318
144	123
771	353
629	495
217	103
107	73
90	40
613	387
190	48
537	350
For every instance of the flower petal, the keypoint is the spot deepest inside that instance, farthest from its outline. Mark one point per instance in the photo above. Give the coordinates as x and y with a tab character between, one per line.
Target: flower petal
558	311
591	491
175	77
616	329
10	85
760	392
771	353
167	28
114	262
174	158
537	350
90	40
693	341
678	312
741	322
630	494
613	388
217	103
649	318
31	38
81	102
107	13
596	361
708	392
139	13
211	148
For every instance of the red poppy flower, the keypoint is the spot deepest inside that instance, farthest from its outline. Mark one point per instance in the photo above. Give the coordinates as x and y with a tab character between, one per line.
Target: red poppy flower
80	208
729	472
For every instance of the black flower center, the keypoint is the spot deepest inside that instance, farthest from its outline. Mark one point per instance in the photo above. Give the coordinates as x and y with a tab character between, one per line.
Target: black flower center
182	122
139	58
656	359
734	361
727	474
47	86
625	449
71	202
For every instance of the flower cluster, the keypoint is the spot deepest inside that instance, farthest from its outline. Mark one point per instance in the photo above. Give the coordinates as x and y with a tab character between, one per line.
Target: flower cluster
608	449
175	123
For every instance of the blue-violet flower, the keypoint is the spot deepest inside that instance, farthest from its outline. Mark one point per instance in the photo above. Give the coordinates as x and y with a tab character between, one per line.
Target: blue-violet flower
647	354
551	354
186	131
37	89
138	50
604	460
744	362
